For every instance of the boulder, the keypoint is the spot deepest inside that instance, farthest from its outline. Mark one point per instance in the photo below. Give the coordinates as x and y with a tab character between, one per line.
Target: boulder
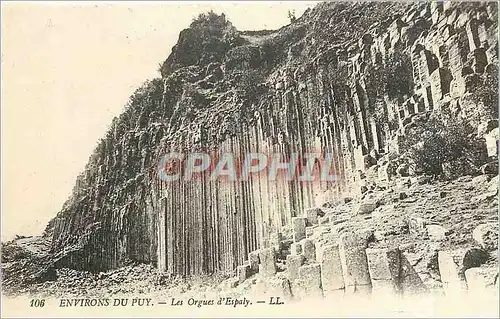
267	259
243	272
309	281
354	261
384	266
296	249
481	279
332	278
293	264
454	263
492	142
436	232
280	287
410	281
312	215
486	235
274	287
366	207
253	260
309	250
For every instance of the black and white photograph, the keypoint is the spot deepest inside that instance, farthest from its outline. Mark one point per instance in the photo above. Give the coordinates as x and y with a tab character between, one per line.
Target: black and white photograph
249	159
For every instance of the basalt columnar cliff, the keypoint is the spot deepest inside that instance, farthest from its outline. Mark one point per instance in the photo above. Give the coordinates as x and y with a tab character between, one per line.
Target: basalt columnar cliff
351	79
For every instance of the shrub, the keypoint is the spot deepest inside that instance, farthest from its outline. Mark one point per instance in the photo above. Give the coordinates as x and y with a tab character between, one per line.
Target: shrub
291	16
250	85
394	78
269	53
13	252
207	40
211	20
487	92
444	147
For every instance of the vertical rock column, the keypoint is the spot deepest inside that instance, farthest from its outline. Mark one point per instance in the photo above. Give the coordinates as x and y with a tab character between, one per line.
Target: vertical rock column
267	265
309	282
384	266
299	228
354	263
162	247
332	278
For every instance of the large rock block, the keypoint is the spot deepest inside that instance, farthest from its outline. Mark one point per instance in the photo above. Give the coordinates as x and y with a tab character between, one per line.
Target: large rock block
243	272
254	260
449	271
384	266
309	281
383	263
436	232
454	263
309	250
293	264
267	259
273	287
492	142
486	235
296	248
479	60
276	239
410	281
299	228
280	287
479	280
332	278
354	261
366	207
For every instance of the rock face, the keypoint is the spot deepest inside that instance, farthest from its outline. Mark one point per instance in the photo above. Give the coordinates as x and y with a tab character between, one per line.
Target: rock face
347	79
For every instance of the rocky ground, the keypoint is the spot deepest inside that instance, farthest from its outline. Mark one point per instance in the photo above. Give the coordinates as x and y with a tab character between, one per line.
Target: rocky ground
420	215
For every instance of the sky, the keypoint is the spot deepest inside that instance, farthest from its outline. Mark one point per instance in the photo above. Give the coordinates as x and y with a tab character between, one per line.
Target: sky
67	70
